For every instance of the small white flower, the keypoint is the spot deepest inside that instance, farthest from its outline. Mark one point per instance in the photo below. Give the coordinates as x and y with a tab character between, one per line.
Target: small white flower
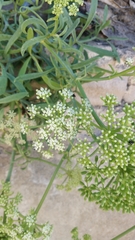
47	112
60	107
129	61
38	145
30	220
66	93
43	93
43	134
27	236
33	110
47	229
47	154
24	127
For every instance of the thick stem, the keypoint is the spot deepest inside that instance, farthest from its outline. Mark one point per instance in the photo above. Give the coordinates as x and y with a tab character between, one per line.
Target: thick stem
124	233
83	94
51	180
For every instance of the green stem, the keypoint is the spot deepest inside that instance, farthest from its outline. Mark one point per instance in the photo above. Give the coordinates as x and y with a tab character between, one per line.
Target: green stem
83	94
45	161
109	182
11	166
51	181
9	176
124	233
126	72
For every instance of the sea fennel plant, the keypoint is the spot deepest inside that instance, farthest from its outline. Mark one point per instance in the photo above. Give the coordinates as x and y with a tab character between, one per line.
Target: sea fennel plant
43	67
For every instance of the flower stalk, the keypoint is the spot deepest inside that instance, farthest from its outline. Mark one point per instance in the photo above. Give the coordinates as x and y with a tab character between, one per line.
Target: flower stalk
11	165
124	233
51	180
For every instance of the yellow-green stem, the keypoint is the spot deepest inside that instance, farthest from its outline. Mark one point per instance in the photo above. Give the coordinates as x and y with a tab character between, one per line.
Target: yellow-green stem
124	233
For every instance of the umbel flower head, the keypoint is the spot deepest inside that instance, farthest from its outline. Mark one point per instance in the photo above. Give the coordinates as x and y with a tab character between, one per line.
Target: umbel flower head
109	175
58	5
61	122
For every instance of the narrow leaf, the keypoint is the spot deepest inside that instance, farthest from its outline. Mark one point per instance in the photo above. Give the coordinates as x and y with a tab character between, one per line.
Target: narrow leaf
84	63
92	12
64	64
29	76
72	27
32	21
4	37
19	86
30	43
3	80
13	97
13	38
48	81
24	67
100	51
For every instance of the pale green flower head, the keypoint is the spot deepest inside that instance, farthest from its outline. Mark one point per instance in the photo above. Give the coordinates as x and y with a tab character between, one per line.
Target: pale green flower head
58	5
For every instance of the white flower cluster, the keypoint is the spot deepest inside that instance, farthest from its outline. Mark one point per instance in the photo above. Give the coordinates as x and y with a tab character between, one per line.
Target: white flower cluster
43	93
47	229
27	236
66	93
30	220
24	127
129	61
61	123
13	127
57	129
32	110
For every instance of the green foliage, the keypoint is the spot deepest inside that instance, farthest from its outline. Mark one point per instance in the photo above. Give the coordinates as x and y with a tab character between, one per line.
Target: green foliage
35	52
15	226
75	233
109	178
